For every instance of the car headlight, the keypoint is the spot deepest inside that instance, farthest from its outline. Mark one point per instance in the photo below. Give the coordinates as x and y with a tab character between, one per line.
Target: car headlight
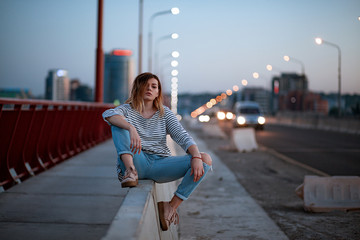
221	115
261	120
229	115
241	120
204	118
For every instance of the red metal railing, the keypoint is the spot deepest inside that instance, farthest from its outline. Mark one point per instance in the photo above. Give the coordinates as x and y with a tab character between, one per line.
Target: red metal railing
36	135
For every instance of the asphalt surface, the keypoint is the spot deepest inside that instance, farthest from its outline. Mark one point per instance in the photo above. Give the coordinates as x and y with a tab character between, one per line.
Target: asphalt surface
334	153
221	208
271	180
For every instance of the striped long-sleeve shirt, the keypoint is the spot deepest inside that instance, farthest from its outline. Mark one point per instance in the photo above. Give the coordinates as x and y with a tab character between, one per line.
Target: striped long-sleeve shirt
153	131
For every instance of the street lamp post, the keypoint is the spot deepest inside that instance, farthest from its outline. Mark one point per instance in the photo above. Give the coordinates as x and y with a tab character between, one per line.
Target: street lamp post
320	41
173	11
287	59
141	4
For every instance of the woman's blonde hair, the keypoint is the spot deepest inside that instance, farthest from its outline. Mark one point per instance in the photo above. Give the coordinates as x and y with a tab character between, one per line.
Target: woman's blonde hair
137	93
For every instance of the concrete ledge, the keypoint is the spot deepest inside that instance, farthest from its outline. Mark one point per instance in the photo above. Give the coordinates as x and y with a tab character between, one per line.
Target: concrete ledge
138	217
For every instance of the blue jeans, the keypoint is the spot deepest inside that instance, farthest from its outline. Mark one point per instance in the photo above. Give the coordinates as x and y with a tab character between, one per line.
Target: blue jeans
161	169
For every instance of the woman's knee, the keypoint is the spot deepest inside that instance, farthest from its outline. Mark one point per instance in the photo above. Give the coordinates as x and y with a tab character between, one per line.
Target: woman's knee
117	130
206	158
120	133
121	140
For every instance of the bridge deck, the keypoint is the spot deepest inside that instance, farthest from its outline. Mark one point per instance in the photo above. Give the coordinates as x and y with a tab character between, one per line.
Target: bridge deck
77	199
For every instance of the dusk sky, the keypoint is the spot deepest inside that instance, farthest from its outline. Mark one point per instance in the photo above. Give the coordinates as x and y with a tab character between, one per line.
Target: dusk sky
221	42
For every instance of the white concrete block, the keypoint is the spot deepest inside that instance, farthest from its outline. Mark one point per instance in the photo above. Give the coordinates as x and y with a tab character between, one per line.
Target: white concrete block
244	139
325	194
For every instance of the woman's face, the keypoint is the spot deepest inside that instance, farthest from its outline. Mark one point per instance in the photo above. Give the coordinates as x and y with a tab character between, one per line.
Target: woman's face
151	90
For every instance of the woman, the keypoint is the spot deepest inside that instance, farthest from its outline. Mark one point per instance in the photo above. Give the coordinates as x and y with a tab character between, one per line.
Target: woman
139	128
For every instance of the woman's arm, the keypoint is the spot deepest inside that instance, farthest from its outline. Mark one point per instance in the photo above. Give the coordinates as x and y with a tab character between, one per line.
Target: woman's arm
135	141
197	167
119	121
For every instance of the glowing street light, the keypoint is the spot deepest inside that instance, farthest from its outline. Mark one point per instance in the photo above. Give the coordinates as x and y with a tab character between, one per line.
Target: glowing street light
175	54
174	73
173	11
174	36
320	41
174	63
244	82
287	59
256	75
174	93
269	67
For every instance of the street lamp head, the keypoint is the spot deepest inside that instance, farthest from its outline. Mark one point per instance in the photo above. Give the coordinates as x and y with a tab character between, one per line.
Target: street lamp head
286	58
174	36
175	54
174	73
175	11
174	63
244	82
256	75
318	41
269	67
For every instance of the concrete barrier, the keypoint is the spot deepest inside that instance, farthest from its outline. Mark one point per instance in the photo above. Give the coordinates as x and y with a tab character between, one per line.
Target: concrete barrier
138	216
325	194
244	139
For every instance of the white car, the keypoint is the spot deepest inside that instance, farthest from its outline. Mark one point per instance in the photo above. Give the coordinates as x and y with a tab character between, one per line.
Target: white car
248	114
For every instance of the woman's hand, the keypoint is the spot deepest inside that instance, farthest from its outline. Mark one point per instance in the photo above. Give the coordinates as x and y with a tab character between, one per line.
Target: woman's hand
197	168
135	141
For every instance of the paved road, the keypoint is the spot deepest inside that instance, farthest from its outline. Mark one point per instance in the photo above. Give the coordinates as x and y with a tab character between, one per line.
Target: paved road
331	152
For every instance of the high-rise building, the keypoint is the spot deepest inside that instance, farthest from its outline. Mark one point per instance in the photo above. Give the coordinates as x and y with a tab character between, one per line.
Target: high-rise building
57	85
285	85
118	76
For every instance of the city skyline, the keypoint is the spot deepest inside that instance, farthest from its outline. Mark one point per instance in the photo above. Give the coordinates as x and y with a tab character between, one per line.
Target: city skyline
220	44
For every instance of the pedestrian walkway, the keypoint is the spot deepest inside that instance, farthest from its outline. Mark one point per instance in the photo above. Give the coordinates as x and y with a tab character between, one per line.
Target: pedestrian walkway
220	208
79	198
76	199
